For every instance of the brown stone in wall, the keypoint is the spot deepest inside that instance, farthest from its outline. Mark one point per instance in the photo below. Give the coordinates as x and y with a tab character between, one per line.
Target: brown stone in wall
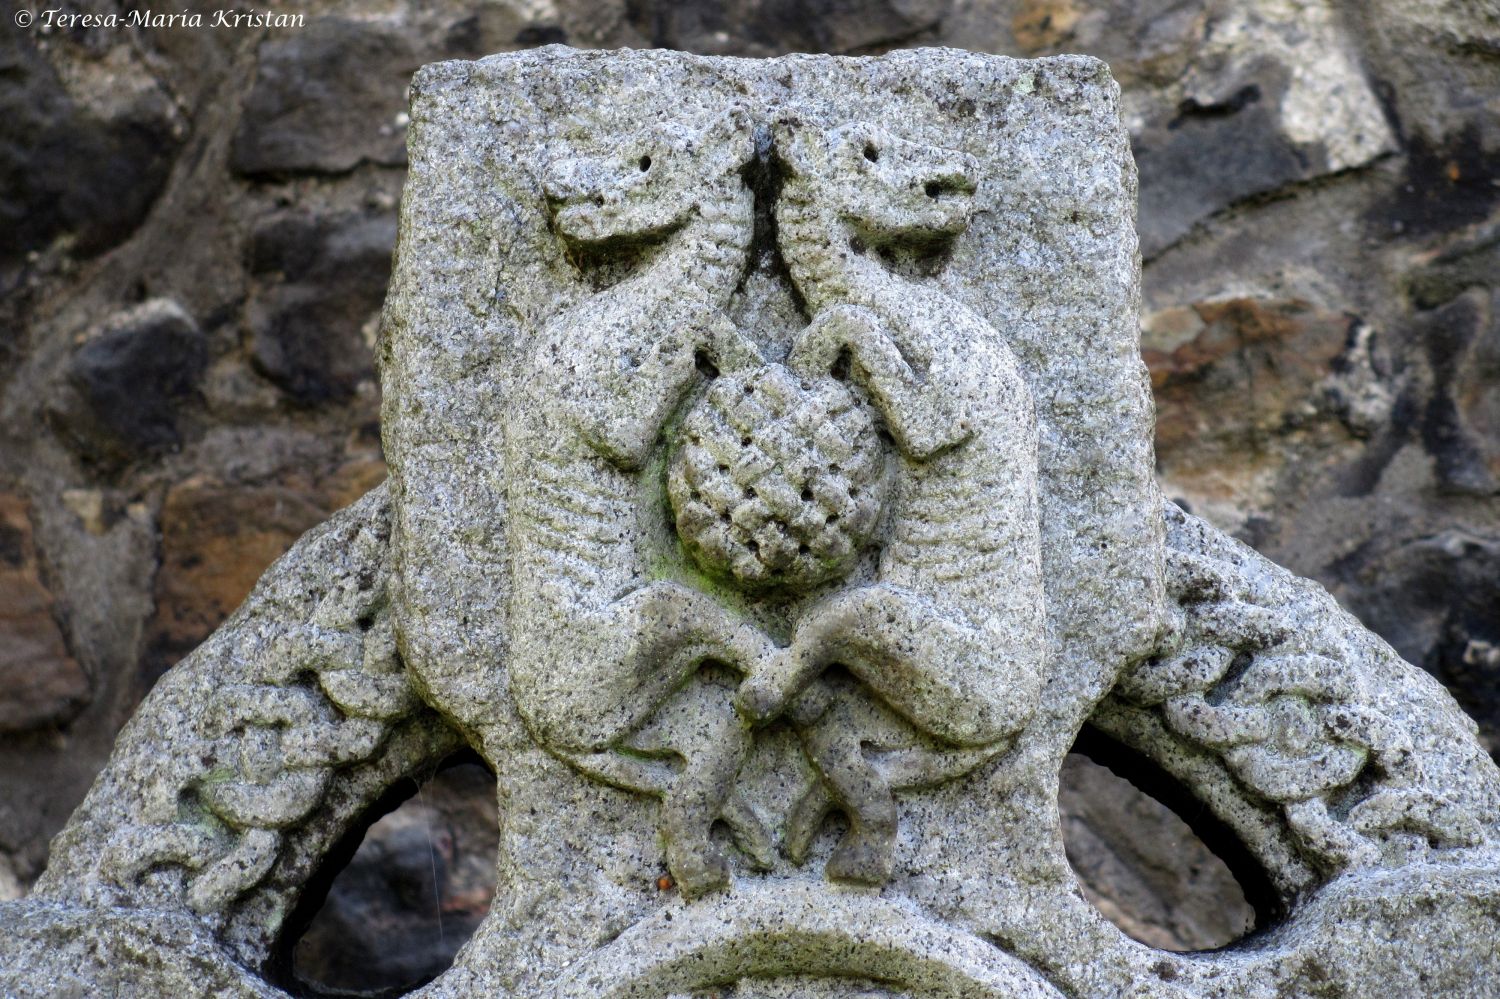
40	683
1039	25
1230	376
217	538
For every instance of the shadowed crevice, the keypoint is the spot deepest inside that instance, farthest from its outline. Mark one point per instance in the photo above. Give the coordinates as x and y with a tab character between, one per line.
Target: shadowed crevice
283	967
1154	782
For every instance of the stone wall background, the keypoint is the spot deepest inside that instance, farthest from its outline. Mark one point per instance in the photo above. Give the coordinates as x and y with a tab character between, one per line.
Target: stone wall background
195	230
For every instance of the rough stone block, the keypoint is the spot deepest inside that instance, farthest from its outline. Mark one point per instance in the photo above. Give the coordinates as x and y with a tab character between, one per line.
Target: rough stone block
40	681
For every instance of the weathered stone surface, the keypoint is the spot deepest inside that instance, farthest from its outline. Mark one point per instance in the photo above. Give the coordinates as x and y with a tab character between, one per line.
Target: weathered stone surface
1255	115
324	279
1234	378
770	27
1471	262
265	717
84	170
1226	102
382	923
94	952
1360	504
720	766
40	682
1432	57
1446	586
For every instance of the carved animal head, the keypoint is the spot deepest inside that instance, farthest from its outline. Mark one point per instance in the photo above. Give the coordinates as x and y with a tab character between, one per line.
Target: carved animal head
883	186
651	183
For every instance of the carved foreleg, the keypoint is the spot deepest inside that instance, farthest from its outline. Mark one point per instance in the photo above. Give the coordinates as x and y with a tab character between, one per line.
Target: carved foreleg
953	680
701	795
632	656
925	417
627	389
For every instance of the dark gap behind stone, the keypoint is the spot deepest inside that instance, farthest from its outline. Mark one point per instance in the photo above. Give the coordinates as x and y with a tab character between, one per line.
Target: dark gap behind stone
764	175
281	968
1148	778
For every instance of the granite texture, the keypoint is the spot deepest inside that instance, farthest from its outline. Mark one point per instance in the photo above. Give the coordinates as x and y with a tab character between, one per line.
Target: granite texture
1317	182
726	764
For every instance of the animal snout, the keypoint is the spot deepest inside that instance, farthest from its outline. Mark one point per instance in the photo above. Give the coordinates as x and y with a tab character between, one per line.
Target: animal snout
580	181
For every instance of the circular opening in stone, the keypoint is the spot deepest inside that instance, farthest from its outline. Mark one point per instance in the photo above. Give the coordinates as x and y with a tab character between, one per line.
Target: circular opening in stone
1152	858
401	892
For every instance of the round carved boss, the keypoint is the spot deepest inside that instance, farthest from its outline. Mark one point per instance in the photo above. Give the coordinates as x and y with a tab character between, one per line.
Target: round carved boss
777	482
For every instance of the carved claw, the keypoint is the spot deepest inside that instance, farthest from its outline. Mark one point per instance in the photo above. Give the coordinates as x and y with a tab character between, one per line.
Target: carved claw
728	345
769	689
812	704
850	783
832	331
865	856
866	853
756	701
925	418
749	832
697	866
805	818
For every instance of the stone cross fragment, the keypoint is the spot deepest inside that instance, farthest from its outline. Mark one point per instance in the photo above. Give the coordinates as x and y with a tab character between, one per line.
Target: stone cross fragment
771	506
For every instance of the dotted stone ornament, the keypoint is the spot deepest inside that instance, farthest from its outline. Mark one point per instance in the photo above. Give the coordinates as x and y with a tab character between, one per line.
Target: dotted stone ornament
778	482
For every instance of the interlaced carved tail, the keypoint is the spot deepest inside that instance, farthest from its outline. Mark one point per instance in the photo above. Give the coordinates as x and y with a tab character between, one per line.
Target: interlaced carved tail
1288	706
326	696
270	741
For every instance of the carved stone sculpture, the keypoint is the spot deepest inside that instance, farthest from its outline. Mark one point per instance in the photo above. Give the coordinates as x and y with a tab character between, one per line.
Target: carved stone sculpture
771	507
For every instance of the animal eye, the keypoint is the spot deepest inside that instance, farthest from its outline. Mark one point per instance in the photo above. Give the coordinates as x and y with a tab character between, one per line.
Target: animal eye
871	153
645	163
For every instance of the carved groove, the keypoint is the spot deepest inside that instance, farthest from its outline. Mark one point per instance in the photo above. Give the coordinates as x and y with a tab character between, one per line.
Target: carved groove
299	729
1288	711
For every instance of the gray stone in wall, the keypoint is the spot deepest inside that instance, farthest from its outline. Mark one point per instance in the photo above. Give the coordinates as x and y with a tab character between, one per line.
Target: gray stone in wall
771	507
302	114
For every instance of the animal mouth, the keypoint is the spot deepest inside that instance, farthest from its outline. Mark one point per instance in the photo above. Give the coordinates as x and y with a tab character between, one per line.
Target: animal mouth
606	224
931	222
947	187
